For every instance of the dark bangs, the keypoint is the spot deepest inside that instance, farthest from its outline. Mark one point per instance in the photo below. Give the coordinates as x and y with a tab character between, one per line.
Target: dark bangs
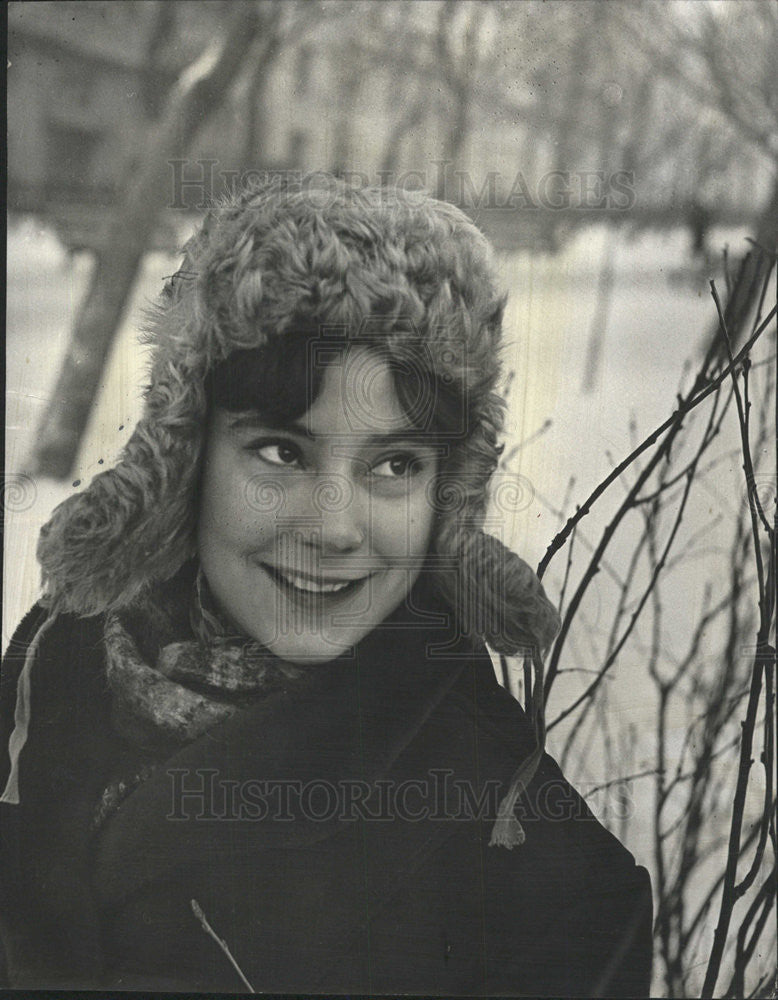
277	380
281	380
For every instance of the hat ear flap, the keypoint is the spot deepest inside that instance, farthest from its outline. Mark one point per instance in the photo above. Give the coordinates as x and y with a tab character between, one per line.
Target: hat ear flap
132	526
135	524
493	592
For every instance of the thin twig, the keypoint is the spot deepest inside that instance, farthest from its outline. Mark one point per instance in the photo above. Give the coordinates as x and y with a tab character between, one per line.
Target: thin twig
685	407
765	655
635	615
198	912
620	781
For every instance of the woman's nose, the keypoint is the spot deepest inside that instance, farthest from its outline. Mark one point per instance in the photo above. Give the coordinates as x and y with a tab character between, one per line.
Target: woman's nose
340	514
326	511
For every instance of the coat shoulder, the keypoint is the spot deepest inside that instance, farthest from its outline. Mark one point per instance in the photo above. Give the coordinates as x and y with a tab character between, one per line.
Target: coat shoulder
69	663
572	888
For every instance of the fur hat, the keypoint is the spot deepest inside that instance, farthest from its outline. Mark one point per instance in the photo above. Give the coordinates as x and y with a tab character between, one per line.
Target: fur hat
334	255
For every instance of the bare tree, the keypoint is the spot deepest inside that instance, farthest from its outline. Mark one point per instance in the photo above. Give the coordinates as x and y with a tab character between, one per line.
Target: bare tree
720	60
251	30
713	830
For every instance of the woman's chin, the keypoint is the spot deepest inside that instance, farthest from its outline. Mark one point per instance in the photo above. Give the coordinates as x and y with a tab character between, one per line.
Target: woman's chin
308	652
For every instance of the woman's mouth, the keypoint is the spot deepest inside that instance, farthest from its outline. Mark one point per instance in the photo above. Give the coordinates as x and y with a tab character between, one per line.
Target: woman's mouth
302	585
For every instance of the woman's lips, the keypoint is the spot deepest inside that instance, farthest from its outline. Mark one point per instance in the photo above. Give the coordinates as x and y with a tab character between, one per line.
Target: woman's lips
302	584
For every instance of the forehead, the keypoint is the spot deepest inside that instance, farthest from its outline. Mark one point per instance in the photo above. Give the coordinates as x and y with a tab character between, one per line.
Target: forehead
358	396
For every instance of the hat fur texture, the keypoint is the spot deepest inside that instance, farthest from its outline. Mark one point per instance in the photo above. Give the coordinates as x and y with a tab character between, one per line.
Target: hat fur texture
334	255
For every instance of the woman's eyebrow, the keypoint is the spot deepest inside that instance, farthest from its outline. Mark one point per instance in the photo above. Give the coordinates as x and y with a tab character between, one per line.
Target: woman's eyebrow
255	421
407	435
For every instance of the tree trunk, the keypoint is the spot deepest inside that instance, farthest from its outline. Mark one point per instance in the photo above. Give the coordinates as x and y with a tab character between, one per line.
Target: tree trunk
198	92
255	136
412	116
254	152
157	78
343	153
460	75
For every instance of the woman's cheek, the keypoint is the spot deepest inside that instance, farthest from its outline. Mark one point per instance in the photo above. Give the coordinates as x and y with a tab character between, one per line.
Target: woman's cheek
227	509
421	518
230	514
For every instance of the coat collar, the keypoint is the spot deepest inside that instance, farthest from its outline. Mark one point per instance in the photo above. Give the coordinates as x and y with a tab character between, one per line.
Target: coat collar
349	724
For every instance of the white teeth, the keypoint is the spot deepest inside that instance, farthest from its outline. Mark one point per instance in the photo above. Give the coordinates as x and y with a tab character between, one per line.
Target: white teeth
310	587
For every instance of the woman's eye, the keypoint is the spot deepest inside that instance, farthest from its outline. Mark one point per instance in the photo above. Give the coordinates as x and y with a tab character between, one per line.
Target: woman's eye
396	467
277	453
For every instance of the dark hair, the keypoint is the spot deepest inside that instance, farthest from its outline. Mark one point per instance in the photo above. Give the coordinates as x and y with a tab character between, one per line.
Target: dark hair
282	379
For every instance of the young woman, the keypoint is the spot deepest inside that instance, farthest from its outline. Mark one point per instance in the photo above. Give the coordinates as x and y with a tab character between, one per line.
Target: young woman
252	733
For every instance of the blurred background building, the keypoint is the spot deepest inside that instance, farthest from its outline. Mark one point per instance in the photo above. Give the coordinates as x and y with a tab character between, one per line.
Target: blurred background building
671	102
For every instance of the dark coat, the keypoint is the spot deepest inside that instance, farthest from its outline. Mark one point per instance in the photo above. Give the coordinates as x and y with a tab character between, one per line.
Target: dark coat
347	894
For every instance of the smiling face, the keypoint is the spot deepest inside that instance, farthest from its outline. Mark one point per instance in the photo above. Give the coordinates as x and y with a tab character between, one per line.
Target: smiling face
312	532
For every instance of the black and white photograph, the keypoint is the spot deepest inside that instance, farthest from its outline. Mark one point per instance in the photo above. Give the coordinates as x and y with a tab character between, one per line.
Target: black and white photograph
390	493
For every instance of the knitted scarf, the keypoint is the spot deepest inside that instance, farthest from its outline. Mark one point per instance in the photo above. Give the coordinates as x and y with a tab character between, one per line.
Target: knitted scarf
176	666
